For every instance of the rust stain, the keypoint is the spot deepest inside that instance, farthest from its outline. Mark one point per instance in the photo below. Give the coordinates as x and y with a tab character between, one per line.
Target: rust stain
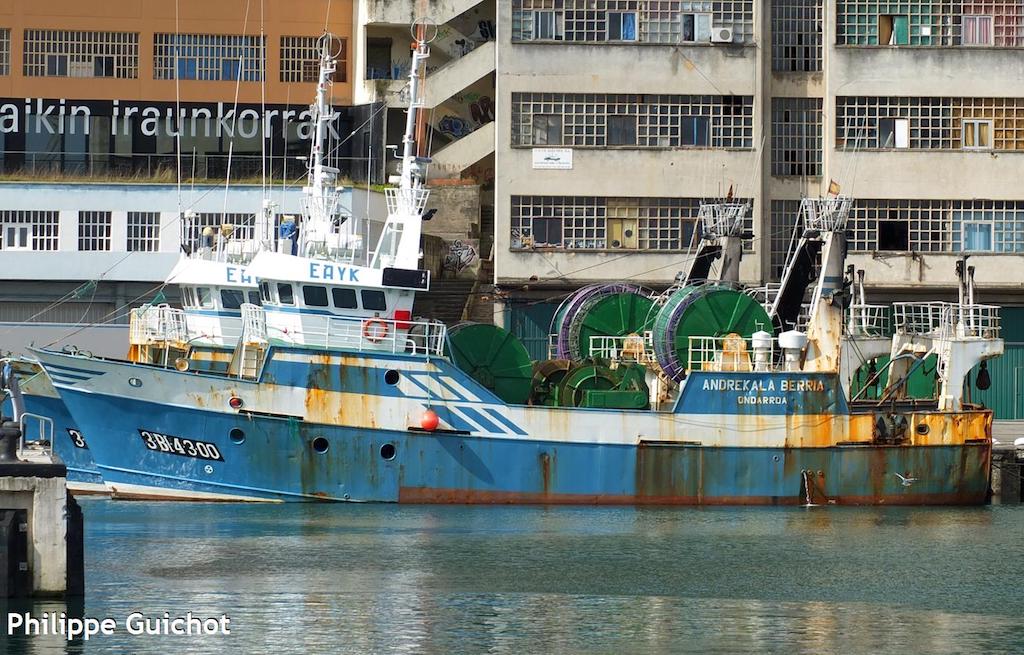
545	472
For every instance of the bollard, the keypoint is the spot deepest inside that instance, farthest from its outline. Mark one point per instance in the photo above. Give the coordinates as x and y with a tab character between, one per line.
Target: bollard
10	435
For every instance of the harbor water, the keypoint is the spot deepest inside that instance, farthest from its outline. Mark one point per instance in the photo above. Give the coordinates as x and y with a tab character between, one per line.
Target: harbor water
451	579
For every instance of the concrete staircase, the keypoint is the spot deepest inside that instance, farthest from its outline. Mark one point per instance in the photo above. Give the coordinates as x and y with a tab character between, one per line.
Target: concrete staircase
446	300
404	13
460	154
459	73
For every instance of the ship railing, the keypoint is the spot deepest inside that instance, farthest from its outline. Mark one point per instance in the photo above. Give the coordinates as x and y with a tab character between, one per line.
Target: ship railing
765	295
947	320
254	324
157	324
825	214
406	200
552	346
375	334
44	435
731	353
971	320
868	320
722	219
632	347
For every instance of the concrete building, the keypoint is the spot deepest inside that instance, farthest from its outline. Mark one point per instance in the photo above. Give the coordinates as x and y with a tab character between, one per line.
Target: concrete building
95	87
614	119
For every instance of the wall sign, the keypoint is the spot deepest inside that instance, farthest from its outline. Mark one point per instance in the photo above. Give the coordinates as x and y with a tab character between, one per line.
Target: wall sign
552	158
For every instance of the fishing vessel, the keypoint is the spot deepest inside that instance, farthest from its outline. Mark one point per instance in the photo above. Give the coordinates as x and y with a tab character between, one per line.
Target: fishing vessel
700	395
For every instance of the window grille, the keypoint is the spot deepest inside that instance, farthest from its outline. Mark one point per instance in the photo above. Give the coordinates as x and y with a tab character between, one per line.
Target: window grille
208	57
62	53
662	121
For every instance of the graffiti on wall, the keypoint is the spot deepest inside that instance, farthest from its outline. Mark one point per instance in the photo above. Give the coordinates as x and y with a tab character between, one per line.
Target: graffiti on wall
454	126
482	110
461	256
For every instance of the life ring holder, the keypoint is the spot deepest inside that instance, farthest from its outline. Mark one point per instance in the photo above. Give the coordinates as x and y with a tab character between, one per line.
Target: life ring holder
374	336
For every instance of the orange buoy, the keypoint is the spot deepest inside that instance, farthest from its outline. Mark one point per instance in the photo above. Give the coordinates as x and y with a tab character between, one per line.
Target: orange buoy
429	420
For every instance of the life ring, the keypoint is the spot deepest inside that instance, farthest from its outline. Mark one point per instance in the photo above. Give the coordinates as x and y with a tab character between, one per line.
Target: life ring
375	336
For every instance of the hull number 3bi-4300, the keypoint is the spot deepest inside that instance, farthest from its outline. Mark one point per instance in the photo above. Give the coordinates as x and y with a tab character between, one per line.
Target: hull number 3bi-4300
171	445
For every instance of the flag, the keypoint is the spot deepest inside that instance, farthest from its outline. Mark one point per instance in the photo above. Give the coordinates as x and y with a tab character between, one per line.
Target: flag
728	196
833	188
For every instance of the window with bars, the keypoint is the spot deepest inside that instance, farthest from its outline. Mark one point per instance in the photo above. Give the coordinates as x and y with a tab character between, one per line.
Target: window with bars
640	21
208	57
241	225
62	53
937	225
946	23
29	230
93	231
796	36
796	137
656	121
929	123
143	231
600	223
5	51
781	227
300	58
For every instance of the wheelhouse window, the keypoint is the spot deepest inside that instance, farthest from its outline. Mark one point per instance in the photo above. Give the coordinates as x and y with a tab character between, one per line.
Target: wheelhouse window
314	296
344	298
205	295
374	300
265	292
285	294
254	298
232	298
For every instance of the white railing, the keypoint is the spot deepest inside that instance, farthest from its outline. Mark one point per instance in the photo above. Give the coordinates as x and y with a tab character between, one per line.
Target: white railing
722	218
151	324
368	334
765	295
552	346
731	353
825	214
947	320
868	321
406	200
632	347
254	324
45	432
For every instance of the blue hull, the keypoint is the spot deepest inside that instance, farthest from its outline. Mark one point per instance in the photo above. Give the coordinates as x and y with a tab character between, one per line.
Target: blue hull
265	458
74	451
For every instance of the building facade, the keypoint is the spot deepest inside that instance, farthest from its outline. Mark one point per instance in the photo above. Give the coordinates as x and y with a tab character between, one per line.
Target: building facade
122	87
616	118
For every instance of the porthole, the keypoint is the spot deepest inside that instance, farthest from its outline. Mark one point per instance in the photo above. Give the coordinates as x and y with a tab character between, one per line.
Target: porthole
237	436
391	376
922	429
135	382
388	451
320	445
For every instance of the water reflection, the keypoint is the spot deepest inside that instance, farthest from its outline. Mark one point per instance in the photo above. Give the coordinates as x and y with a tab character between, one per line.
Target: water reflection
339	579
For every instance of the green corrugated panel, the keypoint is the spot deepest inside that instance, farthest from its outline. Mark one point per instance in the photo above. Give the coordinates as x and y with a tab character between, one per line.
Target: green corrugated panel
530	322
1006	395
1012	322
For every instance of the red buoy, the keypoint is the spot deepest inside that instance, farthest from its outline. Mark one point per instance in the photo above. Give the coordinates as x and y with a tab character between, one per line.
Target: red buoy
429	420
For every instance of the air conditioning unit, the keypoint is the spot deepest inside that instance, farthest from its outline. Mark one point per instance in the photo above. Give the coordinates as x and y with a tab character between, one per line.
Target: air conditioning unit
721	35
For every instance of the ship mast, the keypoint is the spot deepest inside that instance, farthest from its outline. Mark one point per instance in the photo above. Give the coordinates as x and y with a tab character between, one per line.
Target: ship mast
399	244
320	195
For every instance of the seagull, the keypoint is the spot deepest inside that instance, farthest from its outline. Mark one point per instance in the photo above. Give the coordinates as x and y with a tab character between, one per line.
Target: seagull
906	481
